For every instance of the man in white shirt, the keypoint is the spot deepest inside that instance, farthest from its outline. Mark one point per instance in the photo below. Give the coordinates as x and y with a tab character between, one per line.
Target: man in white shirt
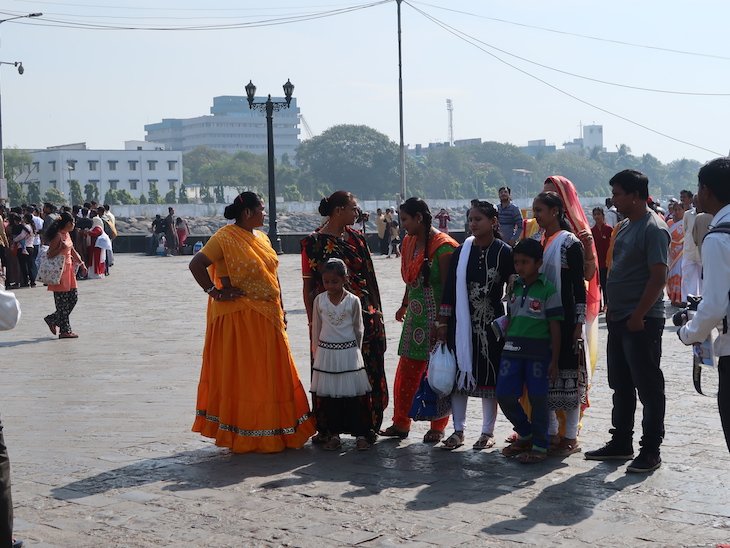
714	198
38	222
691	262
611	213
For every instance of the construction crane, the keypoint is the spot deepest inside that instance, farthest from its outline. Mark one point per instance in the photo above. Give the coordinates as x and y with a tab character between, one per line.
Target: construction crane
450	109
305	125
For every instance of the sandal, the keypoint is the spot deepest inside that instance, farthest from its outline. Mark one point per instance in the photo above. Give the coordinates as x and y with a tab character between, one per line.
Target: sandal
517	447
393	432
485	441
52	326
433	436
362	444
531	457
69	335
565	448
453	441
513	437
320	437
333	444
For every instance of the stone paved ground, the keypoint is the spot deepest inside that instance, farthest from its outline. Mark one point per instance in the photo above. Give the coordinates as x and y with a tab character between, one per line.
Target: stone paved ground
102	453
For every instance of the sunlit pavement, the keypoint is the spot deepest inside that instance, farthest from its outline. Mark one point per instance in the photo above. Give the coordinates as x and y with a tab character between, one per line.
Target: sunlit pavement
98	430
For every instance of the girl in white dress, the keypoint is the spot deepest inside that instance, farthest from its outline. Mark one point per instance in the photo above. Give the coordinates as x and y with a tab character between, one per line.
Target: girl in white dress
338	374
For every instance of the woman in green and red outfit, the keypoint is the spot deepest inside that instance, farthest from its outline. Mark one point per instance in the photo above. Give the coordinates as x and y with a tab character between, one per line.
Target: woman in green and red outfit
424	275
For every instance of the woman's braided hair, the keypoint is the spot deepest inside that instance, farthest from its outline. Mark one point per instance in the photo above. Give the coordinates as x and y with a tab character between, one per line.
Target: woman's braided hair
412	207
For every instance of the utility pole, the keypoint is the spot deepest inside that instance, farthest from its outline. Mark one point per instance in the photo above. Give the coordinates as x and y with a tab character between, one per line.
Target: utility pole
400	109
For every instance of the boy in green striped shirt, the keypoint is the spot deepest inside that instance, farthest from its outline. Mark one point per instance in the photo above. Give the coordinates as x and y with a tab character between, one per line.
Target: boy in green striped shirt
530	355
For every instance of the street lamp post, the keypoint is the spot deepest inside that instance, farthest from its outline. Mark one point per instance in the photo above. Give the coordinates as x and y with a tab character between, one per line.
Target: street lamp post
19	65
269	107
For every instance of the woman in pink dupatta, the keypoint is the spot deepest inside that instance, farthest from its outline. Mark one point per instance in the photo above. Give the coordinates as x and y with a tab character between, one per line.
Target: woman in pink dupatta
576	217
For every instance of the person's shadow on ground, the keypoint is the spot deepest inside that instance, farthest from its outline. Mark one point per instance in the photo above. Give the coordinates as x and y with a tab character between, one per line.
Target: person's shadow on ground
569	502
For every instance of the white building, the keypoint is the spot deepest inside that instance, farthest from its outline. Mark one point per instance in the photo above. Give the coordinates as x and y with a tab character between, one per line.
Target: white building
133	169
232	127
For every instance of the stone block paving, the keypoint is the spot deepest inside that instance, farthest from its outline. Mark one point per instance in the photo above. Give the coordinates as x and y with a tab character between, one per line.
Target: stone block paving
102	453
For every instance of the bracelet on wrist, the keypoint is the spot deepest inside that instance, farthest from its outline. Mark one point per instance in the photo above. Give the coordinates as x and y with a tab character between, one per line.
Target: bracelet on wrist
210	289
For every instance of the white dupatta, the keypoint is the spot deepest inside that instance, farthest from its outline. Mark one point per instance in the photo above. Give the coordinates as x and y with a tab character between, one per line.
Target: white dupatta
464	377
552	261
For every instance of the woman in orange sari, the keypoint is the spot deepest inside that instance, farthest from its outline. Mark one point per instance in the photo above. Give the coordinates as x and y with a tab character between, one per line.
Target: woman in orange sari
250	398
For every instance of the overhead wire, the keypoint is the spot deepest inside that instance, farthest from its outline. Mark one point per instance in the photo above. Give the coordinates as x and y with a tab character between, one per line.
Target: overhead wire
455	32
273	21
580	35
152	8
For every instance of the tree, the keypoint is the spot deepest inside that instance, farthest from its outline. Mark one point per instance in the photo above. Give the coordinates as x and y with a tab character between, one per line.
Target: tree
183	196
142	199
154	194
363	159
124	197
92	192
34	193
111	197
291	194
75	189
16	196
171	196
54	196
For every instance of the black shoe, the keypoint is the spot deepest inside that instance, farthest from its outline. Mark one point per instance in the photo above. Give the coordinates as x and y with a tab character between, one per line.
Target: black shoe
611	451
645	462
17	543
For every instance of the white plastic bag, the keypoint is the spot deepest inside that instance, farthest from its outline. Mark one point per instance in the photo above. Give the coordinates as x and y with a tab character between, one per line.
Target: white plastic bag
9	310
442	370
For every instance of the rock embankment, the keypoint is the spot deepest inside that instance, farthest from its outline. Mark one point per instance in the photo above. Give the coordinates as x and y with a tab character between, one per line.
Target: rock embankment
288	223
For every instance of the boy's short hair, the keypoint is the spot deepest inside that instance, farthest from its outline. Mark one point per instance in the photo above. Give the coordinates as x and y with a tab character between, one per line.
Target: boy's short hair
598	210
530	248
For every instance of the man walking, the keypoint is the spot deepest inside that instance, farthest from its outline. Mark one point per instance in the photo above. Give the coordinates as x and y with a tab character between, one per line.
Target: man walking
510	217
635	290
714	310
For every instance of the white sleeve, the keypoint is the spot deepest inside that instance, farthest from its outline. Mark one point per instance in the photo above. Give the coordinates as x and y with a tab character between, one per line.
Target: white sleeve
357	321
316	324
715	290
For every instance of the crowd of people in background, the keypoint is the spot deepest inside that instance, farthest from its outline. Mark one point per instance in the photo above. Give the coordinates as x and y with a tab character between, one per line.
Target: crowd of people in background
23	235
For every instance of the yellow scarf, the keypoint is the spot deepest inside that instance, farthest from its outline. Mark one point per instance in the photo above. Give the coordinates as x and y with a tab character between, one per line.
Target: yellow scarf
252	267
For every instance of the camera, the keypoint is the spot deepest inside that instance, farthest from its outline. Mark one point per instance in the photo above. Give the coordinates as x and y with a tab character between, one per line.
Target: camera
363	217
683	316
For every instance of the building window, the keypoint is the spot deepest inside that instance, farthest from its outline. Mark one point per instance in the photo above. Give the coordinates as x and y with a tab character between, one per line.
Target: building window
52	165
92	165
171	183
36	166
52	183
113	185
133	184
151	181
171	165
112	165
152	165
71	164
132	165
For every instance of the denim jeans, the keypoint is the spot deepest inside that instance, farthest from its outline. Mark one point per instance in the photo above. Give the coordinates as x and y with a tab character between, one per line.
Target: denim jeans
514	374
6	502
634	367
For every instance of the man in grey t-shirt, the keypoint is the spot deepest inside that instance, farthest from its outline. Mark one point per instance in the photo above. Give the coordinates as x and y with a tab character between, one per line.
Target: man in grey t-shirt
635	321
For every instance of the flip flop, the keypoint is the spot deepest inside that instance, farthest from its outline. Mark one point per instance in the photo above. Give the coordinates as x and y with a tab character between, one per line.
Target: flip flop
485	441
433	436
454	441
393	432
531	457
517	448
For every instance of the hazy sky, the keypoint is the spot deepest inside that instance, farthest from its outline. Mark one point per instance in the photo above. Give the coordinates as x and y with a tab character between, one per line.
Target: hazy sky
102	86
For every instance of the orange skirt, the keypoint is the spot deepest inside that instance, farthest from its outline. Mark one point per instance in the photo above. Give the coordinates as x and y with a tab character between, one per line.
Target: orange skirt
250	398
